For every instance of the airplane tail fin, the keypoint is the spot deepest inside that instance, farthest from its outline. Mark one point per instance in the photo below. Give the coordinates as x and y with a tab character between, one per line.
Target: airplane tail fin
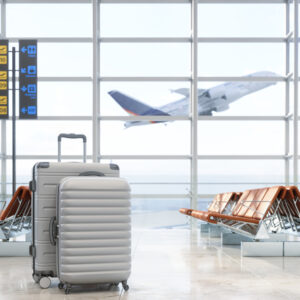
133	106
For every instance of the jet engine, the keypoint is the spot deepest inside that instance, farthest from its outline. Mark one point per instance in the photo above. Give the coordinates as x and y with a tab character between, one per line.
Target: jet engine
216	92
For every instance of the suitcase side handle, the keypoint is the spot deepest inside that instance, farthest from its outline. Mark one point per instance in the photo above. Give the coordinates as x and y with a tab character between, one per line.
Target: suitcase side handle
92	173
71	136
53	231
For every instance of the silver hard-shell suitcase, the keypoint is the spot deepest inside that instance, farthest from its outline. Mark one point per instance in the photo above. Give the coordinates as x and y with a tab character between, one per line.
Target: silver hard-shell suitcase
92	231
46	177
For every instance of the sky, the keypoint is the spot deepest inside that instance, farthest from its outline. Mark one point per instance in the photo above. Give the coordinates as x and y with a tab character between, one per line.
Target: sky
163	59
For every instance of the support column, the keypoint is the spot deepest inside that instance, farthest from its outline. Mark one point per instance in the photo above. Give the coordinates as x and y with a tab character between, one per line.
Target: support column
96	84
296	76
194	109
287	94
3	122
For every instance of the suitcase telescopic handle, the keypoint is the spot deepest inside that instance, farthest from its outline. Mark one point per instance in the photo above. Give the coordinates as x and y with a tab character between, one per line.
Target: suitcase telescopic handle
53	231
71	136
92	173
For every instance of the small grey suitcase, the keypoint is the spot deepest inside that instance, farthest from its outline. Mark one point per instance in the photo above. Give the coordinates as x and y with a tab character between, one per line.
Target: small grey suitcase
46	177
92	232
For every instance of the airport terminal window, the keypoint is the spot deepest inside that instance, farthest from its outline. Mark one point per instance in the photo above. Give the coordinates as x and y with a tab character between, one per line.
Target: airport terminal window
238	59
43	137
226	175
155	42
158	139
65	98
156	176
154	94
264	99
154	20
65	59
140	59
241	20
241	137
49	20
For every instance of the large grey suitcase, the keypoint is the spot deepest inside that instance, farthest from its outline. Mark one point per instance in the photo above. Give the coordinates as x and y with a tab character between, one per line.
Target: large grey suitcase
46	177
94	231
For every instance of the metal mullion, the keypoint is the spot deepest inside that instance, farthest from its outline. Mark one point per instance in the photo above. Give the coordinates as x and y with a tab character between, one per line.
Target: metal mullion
188	1
186	118
201	78
138	157
96	83
194	109
145	1
144	118
65	78
243	78
175	157
243	157
242	40
241	1
44	157
143	78
145	40
54	39
242	118
3	122
287	93
295	119
175	39
48	1
59	118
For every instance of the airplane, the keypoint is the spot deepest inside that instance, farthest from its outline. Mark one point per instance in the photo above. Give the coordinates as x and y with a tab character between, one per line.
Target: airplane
215	99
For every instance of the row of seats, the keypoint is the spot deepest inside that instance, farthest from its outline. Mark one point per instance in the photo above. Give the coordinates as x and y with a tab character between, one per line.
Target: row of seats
277	207
16	216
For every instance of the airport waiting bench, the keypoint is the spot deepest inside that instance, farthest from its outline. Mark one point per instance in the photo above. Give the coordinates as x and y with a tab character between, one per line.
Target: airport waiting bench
15	218
258	213
222	203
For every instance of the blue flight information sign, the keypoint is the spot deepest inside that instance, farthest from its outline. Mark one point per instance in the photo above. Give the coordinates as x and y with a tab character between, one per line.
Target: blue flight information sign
28	79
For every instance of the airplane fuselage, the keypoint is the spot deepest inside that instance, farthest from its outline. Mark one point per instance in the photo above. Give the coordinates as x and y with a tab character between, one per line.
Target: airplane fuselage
215	99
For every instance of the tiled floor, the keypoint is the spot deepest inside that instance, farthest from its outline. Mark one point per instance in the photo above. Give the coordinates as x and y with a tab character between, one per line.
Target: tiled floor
174	264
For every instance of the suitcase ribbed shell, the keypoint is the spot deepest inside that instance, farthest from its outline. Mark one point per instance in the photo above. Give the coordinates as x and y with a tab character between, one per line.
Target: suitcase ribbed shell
46	177
94	230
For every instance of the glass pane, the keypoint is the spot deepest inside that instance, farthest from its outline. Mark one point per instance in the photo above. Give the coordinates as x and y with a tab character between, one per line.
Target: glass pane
65	59
153	20
242	98
148	59
155	176
241	137
49	20
240	20
154	94
145	139
238	59
65	98
40	137
158	213
219	176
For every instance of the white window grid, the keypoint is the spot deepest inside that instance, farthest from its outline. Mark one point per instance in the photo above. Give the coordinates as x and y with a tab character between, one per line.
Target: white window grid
290	118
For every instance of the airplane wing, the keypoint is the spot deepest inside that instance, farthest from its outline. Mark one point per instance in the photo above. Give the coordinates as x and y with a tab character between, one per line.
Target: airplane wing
135	107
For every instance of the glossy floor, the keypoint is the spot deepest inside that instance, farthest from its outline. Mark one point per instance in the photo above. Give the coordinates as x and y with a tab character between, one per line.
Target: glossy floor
174	264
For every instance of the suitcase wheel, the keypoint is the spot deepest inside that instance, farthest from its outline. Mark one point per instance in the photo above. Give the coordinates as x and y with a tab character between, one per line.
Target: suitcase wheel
125	285
67	289
60	286
36	278
45	282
